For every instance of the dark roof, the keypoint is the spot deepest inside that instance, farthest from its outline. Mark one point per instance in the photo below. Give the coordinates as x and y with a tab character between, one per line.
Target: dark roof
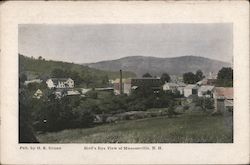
146	78
153	82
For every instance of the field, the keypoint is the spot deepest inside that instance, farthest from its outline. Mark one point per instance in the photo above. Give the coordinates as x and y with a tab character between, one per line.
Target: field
193	127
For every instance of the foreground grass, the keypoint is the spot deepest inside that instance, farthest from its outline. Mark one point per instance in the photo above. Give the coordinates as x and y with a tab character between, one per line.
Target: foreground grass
188	128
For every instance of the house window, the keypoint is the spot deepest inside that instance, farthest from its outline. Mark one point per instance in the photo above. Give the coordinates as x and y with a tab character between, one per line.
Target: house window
194	91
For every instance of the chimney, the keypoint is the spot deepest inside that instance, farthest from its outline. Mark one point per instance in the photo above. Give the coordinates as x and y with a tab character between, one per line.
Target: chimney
120	82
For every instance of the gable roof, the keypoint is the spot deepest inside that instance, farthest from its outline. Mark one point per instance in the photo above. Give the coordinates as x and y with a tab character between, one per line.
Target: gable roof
191	86
124	80
146	78
172	84
206	88
226	92
152	82
56	80
181	84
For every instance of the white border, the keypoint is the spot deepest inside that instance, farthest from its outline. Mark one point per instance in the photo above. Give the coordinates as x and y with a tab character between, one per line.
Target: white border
14	13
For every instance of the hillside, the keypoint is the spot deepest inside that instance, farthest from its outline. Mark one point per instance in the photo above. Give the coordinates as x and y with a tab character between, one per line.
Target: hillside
34	68
156	66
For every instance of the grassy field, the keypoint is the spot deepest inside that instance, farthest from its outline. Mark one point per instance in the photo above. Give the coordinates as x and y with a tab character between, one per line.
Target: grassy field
187	128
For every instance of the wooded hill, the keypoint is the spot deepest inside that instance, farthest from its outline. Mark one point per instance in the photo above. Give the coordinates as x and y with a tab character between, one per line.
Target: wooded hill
156	66
42	68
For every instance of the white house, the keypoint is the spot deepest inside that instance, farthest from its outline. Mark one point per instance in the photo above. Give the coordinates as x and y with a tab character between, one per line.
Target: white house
38	94
170	87
190	89
60	83
205	90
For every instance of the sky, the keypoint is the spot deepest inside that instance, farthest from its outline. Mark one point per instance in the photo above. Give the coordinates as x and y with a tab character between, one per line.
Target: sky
87	43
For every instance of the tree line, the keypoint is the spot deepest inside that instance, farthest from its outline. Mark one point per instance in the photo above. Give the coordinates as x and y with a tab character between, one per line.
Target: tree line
224	77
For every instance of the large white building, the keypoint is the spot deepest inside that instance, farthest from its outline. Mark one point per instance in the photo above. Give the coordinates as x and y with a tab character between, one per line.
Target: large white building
60	83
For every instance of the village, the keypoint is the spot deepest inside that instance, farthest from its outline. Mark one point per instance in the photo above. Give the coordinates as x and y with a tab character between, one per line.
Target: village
222	97
127	84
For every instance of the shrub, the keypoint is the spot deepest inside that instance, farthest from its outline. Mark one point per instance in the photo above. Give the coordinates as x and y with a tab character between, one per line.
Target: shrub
186	107
204	103
92	94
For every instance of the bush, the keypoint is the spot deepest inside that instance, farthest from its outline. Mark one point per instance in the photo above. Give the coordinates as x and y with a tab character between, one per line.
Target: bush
186	107
59	114
92	94
216	114
204	103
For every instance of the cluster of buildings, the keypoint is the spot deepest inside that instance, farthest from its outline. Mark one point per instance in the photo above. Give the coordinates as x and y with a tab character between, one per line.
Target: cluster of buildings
63	87
223	96
126	86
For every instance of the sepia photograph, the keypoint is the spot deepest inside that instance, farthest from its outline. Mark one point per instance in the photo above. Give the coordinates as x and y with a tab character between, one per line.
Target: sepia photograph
126	83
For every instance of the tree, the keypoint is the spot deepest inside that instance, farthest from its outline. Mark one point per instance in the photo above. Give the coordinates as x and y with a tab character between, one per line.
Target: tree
87	78
143	91
40	58
204	103
199	75
165	78
146	75
75	76
26	133
92	94
225	77
22	78
189	78
105	79
59	73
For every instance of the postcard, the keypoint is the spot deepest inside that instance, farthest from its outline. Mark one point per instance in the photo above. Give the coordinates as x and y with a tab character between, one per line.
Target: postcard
125	82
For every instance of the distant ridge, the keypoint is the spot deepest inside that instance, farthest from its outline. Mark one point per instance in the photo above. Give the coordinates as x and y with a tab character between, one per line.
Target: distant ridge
35	68
156	66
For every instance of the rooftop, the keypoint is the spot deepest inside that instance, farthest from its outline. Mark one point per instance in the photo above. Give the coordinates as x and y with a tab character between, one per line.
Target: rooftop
206	88
123	80
191	86
146	78
59	79
172	84
226	92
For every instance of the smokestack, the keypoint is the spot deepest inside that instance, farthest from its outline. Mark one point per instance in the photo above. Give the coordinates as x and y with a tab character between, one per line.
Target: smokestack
120	82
